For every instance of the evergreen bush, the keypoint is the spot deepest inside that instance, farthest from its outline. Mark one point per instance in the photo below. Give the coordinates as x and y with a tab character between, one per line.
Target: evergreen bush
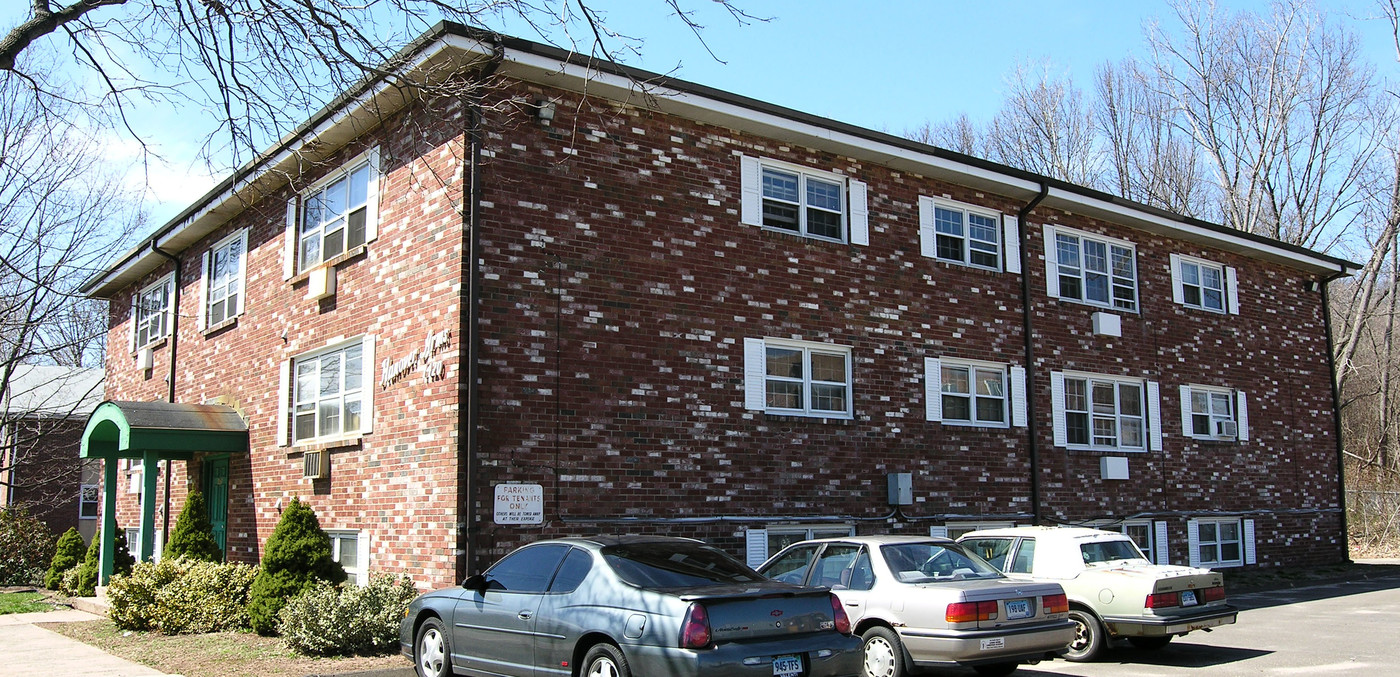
83	580
297	554
67	554
26	547
194	535
327	620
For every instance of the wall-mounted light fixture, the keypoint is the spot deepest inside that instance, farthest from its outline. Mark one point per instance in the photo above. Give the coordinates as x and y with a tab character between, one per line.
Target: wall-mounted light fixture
1313	286
544	110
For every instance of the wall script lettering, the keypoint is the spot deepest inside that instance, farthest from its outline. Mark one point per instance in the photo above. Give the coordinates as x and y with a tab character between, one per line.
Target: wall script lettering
392	371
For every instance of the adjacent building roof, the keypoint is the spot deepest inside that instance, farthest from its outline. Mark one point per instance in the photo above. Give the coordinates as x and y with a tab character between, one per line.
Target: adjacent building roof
52	391
448	44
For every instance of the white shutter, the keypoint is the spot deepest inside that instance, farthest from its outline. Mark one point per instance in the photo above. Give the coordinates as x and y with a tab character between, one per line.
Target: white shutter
1178	296
289	242
756	550
1248	538
938	532
1154	416
135	301
242	274
367	384
755	372
927	241
204	292
362	563
1241	416
1052	266
1057	406
860	213
1018	397
1186	411
1193	542
1159	544
1232	290
372	196
751	191
933	389
284	393
1011	235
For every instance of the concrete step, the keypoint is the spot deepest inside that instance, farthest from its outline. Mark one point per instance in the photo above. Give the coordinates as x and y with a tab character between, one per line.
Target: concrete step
92	605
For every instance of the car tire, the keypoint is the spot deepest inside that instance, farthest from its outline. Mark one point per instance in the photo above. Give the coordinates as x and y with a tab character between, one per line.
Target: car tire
882	653
996	669
605	660
432	652
1088	637
1150	643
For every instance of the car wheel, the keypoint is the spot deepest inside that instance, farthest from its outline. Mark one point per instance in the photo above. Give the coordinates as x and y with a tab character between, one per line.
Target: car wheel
605	660
432	655
884	655
996	669
1150	642
1088	636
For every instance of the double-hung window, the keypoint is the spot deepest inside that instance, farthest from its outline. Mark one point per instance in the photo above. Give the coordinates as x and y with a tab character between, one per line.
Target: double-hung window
764	542
329	394
965	392
797	378
951	231
1105	412
1213	413
803	201
1204	285
351	549
224	268
1091	269
1221	542
152	313
336	215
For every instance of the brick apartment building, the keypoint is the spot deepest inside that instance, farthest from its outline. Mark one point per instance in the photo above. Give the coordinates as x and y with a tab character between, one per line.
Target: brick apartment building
454	325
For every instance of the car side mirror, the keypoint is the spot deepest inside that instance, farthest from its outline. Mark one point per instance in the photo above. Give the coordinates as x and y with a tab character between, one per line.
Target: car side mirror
475	582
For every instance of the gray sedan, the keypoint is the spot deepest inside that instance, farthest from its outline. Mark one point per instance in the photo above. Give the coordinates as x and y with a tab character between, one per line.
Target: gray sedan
614	606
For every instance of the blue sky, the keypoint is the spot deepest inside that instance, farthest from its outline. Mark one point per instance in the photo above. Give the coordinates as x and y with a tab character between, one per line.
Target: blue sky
890	66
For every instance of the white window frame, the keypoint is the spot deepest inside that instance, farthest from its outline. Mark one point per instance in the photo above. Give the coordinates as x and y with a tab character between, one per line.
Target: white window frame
1244	541
757	550
144	314
1229	284
937	390
956	530
757	378
288	399
1237	402
1054	269
359	575
211	294
930	233
298	208
854	211
1152	545
1149	412
83	502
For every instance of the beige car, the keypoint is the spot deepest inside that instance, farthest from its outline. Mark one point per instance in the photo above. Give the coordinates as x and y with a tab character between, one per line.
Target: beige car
1114	592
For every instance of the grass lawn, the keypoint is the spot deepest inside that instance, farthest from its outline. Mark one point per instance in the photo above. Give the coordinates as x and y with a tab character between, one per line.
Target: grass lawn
23	602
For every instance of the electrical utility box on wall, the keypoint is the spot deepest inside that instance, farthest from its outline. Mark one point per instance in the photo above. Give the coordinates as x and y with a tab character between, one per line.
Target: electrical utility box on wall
901	488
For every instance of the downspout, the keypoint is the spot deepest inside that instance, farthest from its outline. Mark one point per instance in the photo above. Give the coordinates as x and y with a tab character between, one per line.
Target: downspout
1336	409
1026	333
468	420
170	371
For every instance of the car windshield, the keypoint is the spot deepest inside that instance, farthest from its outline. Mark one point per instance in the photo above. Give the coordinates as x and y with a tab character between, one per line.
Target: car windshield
928	562
1103	552
675	565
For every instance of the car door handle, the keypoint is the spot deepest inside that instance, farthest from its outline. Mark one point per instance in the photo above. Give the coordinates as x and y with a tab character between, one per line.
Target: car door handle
524	615
852	603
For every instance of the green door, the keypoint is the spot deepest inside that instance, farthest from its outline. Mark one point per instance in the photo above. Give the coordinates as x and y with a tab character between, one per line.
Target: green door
216	497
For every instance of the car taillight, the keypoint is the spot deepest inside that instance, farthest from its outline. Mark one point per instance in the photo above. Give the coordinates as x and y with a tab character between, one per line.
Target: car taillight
695	632
1055	604
838	613
971	612
1214	594
1163	600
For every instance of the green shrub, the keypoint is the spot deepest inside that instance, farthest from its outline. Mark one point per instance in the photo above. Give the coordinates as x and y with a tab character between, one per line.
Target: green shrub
297	554
66	555
26	547
84	581
327	620
194	536
182	596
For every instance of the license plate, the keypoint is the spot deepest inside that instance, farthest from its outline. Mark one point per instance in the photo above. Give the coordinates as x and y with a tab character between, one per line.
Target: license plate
1188	598
786	666
1018	608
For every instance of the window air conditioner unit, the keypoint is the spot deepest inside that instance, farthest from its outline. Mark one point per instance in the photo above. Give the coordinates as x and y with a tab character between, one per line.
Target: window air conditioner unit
145	359
316	465
1226	429
320	283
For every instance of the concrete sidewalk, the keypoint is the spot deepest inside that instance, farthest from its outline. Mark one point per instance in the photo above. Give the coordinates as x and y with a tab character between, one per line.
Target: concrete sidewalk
27	649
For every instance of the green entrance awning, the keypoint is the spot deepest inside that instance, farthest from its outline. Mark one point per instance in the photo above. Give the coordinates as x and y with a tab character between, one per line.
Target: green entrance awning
170	430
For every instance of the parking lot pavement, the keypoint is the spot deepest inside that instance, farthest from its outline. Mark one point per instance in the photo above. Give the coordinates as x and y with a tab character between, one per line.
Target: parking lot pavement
31	650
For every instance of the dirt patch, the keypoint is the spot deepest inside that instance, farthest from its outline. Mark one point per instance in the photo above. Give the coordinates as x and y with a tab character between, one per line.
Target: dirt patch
222	654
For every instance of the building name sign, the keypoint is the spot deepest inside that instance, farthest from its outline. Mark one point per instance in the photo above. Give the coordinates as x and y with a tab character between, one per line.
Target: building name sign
422	359
519	504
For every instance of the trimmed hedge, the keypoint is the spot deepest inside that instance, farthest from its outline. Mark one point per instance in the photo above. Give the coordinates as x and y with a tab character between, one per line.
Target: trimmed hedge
327	620
182	596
